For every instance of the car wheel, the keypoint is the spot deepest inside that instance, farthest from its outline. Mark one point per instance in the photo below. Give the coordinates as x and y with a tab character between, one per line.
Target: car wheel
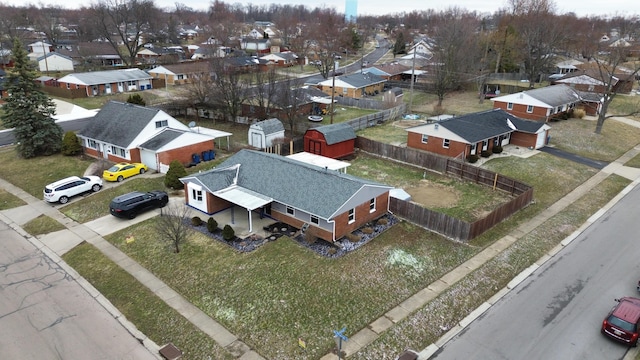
132	215
120	178
141	171
63	200
164	202
95	188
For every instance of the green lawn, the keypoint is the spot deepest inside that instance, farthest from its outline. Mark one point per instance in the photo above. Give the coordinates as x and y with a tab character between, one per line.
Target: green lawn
42	225
9	201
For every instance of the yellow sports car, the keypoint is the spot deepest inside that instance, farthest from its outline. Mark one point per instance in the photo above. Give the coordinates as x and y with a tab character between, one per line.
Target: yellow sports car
121	171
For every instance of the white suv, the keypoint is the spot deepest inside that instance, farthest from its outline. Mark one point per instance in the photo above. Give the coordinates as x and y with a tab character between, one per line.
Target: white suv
62	190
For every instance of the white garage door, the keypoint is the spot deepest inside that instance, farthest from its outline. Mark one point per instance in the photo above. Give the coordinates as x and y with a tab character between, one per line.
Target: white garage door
540	140
149	158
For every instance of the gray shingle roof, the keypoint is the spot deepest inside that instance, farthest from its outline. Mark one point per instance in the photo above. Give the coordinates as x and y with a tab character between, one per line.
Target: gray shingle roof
359	80
161	139
106	77
118	123
291	182
555	95
488	124
336	133
269	126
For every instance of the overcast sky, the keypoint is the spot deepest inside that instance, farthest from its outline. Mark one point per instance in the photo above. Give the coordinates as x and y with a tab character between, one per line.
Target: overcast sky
379	7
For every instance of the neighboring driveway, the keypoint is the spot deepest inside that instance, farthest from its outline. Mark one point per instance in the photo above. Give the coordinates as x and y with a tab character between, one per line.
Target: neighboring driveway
596	164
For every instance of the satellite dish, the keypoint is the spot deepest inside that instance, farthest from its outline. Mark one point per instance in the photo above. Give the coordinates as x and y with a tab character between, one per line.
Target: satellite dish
192	124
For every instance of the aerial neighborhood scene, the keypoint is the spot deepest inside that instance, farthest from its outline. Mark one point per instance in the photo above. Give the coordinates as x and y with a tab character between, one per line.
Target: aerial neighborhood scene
355	180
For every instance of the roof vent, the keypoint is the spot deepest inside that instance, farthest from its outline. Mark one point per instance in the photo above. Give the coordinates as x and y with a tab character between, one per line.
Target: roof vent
436	126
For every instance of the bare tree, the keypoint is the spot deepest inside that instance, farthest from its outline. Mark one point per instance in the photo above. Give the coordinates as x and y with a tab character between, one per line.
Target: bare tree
265	92
230	90
455	52
540	33
126	23
327	36
614	69
289	99
172	225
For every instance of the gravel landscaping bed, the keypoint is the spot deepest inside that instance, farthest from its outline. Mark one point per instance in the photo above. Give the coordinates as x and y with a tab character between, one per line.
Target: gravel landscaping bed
324	248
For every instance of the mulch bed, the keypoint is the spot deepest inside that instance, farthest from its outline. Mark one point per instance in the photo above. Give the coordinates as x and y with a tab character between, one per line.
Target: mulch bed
324	248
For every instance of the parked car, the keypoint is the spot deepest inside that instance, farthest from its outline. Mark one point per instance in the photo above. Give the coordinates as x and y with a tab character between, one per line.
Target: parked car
123	170
61	190
131	204
621	323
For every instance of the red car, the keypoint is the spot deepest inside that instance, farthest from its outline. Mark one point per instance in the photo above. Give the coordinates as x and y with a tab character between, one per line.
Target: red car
622	322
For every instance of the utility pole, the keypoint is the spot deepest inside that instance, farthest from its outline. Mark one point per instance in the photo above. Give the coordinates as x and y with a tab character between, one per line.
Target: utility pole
413	71
333	89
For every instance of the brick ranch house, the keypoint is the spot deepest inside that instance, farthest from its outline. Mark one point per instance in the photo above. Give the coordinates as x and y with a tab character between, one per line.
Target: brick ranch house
541	104
470	134
123	132
328	203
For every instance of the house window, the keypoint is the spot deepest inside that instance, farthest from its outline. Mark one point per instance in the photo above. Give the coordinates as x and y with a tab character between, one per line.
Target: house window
352	216
496	142
180	77
68	86
162	123
591	87
372	205
473	149
445	143
425	138
290	210
117	151
196	194
314	219
559	109
529	109
485	145
344	91
509	106
92	144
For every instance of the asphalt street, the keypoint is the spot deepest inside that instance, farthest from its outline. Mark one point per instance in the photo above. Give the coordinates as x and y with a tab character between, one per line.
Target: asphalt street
557	312
45	314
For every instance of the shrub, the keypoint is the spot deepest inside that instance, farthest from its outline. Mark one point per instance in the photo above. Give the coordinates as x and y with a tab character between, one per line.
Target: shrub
71	144
382	222
332	251
473	158
485	154
196	221
579	113
353	238
496	149
212	225
367	230
136	99
173	175
228	233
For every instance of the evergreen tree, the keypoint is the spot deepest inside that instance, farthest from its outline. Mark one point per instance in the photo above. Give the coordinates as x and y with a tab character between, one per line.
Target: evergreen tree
28	110
136	99
173	175
399	47
71	144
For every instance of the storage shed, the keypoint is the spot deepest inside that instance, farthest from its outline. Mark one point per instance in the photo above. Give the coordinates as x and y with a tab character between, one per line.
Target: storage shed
263	133
335	141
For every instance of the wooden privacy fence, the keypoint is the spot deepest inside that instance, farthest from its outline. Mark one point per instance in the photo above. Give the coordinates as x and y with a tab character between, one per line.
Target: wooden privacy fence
522	194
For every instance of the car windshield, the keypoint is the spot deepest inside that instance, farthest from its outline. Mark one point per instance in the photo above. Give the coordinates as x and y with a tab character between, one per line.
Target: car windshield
113	169
619	323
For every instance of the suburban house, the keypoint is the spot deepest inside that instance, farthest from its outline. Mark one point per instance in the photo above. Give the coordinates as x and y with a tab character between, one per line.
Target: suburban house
356	85
281	59
123	132
334	141
53	61
107	82
301	101
542	104
471	134
259	46
93	54
264	133
182	73
327	204
38	49
591	80
389	71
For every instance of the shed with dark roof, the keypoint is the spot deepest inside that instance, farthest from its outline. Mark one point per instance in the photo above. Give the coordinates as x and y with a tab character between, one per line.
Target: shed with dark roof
336	141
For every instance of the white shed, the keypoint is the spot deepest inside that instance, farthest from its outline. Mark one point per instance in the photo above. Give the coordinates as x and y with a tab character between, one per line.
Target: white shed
263	133
54	62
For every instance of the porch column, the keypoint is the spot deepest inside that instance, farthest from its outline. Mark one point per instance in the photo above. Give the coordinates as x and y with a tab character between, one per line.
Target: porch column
250	221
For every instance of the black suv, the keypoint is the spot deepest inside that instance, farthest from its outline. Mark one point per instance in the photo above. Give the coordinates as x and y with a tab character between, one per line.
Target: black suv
129	205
